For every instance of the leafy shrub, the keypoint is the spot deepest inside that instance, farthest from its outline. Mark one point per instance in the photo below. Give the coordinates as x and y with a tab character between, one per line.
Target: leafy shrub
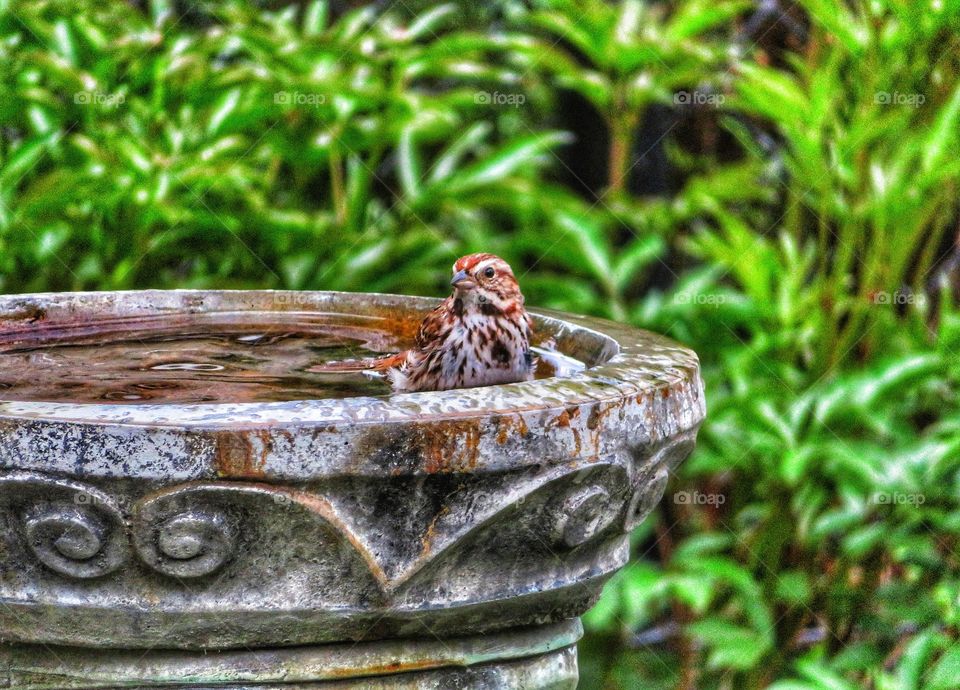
254	147
826	557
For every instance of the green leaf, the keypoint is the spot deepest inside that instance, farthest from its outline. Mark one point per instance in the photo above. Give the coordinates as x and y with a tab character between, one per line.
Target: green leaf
896	376
695	592
224	107
315	18
916	659
838	22
942	140
730	646
794	588
505	161
694	18
593	247
742	580
429	22
25	158
565	27
64	41
823	677
408	162
795	462
638	255
447	162
770	93
946	673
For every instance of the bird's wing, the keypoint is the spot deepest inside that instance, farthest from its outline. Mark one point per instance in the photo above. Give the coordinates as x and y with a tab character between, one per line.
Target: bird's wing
429	335
528	322
432	328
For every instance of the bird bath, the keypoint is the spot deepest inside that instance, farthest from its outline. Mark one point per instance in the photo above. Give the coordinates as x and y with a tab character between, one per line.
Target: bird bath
248	527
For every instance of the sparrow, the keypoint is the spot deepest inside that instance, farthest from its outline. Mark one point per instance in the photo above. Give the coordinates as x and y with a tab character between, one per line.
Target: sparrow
478	336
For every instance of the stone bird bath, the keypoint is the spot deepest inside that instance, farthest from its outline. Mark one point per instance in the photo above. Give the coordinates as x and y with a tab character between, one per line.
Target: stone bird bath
436	540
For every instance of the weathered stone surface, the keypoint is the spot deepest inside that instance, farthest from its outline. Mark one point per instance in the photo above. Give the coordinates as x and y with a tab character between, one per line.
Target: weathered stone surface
542	658
215	526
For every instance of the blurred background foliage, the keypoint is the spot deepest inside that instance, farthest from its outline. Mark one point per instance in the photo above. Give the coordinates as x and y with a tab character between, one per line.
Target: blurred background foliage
772	183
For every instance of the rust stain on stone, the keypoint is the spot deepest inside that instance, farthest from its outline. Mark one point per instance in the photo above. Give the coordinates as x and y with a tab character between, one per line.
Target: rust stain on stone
387	668
595	425
567	416
596	416
567	419
237	455
451	446
506	424
431	532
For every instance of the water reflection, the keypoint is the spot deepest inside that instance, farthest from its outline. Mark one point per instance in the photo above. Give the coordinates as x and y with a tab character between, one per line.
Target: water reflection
212	363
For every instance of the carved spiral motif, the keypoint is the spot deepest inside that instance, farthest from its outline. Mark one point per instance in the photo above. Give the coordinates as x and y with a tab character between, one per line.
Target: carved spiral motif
651	480
184	541
72	529
73	541
645	497
583	514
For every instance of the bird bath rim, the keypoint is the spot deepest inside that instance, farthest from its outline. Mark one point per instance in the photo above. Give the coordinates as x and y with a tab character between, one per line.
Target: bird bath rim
626	366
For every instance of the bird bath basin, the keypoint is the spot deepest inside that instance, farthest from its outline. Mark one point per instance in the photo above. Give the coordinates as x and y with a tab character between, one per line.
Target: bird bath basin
249	527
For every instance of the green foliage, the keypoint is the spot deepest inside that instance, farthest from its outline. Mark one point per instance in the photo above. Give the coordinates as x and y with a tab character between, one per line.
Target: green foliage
831	450
236	146
636	54
353	154
871	124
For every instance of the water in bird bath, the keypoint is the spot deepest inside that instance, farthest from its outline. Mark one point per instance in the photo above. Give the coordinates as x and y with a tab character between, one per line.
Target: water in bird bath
198	361
205	363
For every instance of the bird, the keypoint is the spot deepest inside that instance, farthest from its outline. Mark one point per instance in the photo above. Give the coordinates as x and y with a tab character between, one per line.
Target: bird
478	336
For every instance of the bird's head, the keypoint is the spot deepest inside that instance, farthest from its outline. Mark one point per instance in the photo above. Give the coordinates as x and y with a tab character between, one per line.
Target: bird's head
485	281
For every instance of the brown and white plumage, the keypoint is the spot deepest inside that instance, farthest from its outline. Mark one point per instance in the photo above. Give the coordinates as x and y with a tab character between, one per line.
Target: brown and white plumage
478	336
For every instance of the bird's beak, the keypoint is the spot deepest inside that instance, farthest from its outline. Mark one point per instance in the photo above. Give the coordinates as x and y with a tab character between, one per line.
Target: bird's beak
462	280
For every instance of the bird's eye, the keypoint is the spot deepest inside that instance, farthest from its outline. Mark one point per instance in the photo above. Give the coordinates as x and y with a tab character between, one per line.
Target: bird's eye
488	272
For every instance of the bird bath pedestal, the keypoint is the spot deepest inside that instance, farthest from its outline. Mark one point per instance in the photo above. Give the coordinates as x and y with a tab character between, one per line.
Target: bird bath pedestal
424	540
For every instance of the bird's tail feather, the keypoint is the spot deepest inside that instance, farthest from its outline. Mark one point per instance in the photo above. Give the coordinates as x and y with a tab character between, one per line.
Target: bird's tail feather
347	366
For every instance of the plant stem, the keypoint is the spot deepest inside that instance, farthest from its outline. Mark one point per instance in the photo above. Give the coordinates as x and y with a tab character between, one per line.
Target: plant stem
621	122
337	187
